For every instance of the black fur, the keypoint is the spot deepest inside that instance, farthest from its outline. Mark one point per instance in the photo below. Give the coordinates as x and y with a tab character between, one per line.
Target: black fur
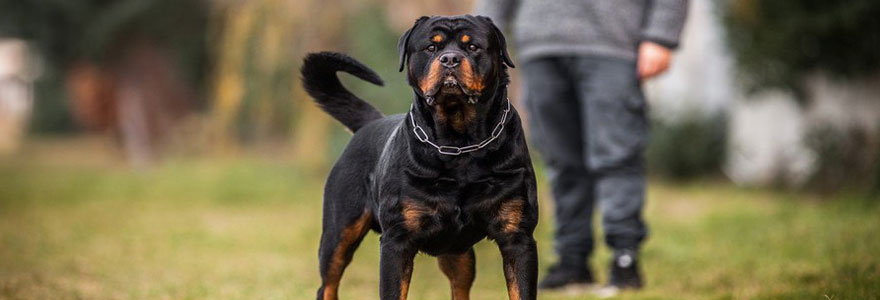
502	42
418	199
403	41
320	81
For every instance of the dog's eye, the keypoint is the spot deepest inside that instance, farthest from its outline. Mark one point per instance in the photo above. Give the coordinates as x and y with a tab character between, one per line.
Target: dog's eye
431	48
473	47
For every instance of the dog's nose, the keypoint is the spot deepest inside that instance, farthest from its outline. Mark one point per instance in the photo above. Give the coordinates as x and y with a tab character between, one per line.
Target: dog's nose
450	59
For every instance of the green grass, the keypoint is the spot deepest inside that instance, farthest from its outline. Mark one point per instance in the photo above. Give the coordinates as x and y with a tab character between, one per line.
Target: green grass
73	225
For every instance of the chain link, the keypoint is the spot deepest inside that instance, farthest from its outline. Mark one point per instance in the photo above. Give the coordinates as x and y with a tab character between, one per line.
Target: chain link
422	136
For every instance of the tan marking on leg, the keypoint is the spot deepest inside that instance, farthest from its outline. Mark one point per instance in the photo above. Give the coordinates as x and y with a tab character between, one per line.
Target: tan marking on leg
460	272
437	38
330	292
510	215
469	77
351	234
404	281
512	283
465	38
430	80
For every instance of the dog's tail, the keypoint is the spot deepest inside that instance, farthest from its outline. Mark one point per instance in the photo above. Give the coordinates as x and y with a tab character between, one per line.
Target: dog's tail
319	78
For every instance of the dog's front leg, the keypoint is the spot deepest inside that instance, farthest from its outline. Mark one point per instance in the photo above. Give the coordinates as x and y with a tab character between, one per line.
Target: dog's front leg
395	269
520	257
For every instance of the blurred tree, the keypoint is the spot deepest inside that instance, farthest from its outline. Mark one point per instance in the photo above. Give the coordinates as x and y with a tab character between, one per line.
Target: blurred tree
257	95
254	79
66	32
129	67
778	43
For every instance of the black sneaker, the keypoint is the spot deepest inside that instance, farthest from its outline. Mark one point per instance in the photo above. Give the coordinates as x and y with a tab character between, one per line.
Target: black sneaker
562	276
625	270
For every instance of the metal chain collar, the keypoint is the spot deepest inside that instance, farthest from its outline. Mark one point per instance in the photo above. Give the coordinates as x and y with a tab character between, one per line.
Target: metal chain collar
452	150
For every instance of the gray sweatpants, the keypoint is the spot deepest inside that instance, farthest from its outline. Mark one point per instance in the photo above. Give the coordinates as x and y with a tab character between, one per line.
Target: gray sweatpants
588	120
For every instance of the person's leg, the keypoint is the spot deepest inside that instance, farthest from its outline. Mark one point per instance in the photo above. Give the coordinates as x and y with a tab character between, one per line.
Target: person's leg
617	130
554	117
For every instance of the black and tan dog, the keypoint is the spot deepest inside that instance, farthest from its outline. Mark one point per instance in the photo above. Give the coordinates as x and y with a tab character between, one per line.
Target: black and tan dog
451	172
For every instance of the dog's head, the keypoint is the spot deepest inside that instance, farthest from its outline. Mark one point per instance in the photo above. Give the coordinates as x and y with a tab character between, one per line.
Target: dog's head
456	58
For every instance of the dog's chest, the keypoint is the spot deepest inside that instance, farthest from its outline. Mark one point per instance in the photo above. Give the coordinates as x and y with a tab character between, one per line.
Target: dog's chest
449	228
447	211
449	217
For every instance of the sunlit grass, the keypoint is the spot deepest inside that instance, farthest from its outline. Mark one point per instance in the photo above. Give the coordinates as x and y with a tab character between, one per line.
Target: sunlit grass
248	229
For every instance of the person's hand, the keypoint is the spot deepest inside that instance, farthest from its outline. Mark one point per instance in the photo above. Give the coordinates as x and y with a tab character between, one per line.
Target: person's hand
653	59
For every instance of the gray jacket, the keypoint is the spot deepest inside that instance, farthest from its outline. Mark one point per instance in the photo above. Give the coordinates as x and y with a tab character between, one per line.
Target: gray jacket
607	28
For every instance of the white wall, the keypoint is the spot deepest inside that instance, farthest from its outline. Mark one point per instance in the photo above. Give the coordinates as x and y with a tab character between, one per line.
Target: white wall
16	75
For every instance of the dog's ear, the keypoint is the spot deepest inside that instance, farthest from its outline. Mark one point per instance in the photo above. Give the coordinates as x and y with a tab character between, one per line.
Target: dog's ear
404	40
502	42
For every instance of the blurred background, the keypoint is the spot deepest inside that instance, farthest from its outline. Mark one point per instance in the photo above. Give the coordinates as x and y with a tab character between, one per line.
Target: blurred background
166	149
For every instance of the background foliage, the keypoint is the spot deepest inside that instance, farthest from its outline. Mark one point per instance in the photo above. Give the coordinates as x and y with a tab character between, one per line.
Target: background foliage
778	43
692	147
67	32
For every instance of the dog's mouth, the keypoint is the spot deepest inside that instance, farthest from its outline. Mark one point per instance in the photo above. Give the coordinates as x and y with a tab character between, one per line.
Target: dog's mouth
450	87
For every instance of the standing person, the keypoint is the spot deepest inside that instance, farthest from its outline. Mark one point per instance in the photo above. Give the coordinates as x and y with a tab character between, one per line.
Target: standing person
583	62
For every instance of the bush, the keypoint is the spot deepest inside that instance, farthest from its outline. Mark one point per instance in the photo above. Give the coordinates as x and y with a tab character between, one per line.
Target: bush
687	148
846	159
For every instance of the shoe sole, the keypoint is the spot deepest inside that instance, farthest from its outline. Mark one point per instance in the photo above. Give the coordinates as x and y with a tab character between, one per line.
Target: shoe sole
606	292
579	288
572	289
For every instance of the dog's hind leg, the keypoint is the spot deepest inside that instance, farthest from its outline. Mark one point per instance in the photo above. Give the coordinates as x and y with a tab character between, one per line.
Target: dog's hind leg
460	270
339	240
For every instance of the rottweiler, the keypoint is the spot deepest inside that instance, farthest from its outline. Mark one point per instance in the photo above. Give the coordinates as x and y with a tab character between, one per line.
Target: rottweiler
452	171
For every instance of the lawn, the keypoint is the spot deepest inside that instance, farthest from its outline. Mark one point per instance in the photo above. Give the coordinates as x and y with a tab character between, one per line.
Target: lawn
75	224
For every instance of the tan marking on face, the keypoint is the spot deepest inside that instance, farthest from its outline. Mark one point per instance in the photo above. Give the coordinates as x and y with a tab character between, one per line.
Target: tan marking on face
412	214
459	269
437	38
510	215
465	38
430	80
469	78
342	254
